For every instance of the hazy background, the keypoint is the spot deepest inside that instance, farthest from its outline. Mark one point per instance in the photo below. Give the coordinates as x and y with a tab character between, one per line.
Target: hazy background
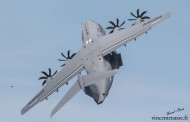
155	77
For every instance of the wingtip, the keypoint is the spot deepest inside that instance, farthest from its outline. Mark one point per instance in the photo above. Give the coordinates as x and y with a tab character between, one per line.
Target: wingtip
23	111
52	113
168	14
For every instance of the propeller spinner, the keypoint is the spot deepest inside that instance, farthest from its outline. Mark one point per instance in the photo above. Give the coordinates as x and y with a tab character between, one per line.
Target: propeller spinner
66	58
114	26
139	16
46	76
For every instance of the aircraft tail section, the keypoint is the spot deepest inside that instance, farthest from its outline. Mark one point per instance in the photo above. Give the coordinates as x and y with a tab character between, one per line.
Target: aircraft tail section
82	82
91	78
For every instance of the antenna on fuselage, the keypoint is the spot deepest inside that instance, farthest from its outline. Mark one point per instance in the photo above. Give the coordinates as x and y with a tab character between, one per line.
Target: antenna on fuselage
82	21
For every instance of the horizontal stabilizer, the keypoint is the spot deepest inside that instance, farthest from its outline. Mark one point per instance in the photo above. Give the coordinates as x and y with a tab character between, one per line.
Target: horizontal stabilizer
92	78
71	93
82	82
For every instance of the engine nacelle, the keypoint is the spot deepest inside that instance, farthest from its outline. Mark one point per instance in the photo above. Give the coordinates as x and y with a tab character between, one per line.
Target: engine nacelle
114	59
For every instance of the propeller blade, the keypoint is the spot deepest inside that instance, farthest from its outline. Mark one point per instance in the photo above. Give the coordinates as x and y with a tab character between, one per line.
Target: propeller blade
46	76
73	55
54	73
111	31
43	77
117	20
49	72
44	73
112	23
146	17
142	14
138	13
133	15
68	54
62	65
66	58
131	19
110	27
62	60
115	25
122	23
63	55
44	82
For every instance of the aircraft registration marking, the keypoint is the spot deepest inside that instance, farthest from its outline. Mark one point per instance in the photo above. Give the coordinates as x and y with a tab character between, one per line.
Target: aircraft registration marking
35	98
153	20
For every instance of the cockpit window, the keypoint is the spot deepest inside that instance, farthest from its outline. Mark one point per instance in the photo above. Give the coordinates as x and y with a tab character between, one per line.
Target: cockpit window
87	32
88	41
101	29
82	35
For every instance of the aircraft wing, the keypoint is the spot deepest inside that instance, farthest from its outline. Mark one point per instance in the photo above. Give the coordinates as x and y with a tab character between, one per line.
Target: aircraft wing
72	67
111	42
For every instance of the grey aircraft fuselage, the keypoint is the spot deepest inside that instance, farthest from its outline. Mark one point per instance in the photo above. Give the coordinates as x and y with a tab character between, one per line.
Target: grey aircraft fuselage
99	90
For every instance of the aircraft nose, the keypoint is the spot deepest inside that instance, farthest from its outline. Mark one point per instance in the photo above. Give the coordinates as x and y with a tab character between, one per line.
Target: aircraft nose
89	23
101	98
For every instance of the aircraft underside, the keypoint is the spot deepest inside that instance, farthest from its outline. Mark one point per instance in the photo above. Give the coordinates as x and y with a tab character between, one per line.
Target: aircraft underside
99	90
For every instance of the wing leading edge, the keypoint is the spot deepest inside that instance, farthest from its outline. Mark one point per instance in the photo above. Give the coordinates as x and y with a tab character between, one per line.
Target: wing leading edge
111	42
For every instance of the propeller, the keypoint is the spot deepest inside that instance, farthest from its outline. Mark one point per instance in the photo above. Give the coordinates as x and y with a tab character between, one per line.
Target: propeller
46	76
114	26
141	16
66	58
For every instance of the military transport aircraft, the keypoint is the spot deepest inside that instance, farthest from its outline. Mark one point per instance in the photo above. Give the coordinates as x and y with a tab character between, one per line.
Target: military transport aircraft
98	56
